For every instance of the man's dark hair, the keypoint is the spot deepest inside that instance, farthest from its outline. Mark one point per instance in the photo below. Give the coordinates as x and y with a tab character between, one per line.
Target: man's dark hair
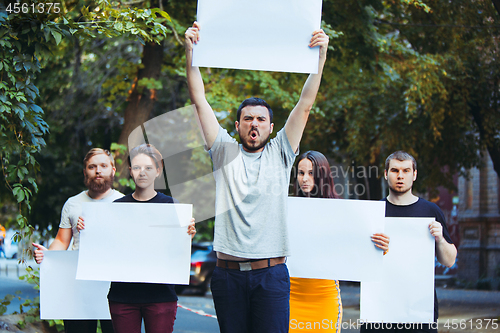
400	156
254	101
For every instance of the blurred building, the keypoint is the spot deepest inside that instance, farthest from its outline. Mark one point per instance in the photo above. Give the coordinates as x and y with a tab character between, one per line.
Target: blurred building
479	220
447	200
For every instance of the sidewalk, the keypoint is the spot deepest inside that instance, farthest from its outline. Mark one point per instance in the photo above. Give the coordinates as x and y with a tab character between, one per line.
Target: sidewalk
9	268
460	306
460	310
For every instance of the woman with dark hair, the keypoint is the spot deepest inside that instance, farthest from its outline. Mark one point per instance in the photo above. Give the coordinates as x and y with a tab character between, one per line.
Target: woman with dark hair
314	176
315	300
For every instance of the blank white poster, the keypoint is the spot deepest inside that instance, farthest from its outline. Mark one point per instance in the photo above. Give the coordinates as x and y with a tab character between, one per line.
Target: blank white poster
135	242
405	294
258	35
331	239
64	297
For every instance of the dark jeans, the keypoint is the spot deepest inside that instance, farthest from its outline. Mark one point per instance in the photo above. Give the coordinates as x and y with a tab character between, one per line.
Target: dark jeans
158	317
87	326
252	301
398	328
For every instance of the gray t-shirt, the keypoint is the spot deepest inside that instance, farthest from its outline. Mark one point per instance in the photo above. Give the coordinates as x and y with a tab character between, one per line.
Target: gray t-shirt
251	197
72	210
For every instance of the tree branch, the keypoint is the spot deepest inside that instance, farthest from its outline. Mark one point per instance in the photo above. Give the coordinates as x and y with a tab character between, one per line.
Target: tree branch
492	144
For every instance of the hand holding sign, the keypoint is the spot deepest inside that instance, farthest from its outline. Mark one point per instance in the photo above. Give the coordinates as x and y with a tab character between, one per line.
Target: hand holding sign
259	43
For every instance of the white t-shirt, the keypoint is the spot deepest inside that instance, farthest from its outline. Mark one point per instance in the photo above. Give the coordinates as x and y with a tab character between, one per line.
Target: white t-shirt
251	197
72	210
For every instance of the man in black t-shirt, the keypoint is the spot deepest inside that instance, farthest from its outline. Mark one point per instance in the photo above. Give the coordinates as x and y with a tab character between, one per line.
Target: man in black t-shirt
400	173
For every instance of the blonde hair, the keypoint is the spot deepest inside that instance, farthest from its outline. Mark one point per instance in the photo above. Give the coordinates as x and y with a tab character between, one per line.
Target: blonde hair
97	151
148	150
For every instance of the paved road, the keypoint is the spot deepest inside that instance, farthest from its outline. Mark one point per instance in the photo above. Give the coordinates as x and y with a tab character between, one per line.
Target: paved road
186	322
189	322
10	286
10	283
472	308
454	304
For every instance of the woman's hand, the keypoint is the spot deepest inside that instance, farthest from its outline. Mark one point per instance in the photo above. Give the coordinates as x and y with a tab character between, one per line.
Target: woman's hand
381	241
192	36
191	229
80	225
319	38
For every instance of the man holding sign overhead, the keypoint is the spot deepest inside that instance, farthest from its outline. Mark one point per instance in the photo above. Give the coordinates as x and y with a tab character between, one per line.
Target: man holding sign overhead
251	285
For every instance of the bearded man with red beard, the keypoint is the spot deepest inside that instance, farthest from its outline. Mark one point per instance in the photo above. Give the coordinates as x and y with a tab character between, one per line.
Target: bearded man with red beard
99	172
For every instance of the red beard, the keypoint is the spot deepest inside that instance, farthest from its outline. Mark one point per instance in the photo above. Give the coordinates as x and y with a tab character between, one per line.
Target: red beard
99	185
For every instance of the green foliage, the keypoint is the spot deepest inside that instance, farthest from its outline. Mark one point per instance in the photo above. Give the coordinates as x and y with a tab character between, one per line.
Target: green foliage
29	38
399	75
95	77
148	83
402	77
117	87
30	308
120	151
58	323
21	123
5	302
111	20
204	231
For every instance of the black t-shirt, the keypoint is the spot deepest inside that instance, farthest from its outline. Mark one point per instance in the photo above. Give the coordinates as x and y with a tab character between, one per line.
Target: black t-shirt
139	292
421	208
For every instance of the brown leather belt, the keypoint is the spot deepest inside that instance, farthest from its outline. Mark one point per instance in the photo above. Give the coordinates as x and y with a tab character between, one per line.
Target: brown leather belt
250	265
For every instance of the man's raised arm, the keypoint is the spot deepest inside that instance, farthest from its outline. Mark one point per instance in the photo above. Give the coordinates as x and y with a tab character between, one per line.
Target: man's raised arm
208	121
297	120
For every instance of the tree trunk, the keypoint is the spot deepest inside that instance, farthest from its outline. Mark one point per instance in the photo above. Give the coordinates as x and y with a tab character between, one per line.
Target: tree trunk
141	100
487	135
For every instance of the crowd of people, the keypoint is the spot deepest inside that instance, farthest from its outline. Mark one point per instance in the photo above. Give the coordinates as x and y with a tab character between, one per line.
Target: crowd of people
252	290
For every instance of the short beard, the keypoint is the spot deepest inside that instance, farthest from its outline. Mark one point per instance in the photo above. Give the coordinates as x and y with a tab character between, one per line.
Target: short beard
254	148
395	191
99	186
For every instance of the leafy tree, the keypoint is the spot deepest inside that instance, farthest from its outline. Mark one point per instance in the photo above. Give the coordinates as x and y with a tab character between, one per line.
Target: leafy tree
102	81
399	75
414	78
29	32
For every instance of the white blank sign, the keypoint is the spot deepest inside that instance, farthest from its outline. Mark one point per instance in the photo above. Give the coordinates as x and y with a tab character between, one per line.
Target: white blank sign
405	294
64	297
135	242
331	238
258	34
